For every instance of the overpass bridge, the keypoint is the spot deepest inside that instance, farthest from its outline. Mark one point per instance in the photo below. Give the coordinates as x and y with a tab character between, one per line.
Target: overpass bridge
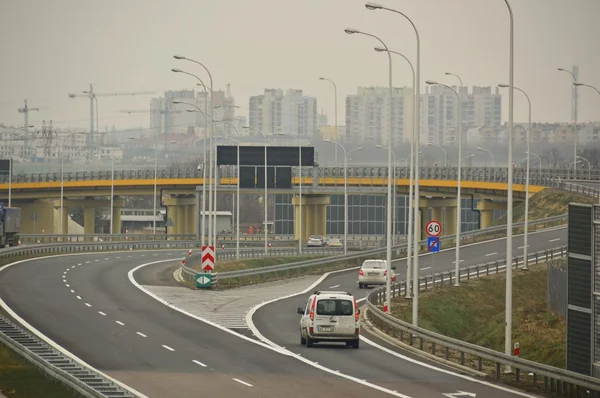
180	192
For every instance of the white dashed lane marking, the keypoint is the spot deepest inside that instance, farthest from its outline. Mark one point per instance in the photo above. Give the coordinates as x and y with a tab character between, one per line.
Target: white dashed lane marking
199	363
166	347
141	334
101	313
67	285
554	240
243	382
491	254
88	304
425	268
78	297
120	323
72	291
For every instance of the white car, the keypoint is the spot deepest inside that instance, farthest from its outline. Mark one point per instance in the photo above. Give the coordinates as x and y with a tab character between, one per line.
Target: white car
330	316
316	241
374	272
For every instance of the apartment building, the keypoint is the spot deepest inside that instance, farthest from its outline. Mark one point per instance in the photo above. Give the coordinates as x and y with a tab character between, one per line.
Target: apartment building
439	113
278	111
368	115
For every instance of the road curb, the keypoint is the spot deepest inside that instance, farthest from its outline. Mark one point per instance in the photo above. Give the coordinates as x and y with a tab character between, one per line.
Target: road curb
390	340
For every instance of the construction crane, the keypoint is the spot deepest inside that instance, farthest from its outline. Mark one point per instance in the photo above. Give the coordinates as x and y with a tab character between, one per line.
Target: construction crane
25	110
94	97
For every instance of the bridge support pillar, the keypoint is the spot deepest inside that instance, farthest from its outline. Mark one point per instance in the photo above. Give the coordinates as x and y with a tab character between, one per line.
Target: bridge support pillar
89	220
181	210
191	218
118	204
37	217
314	215
486	209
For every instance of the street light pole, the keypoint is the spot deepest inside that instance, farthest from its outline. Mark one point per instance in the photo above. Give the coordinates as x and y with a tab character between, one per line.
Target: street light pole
488	151
345	189
62	183
211	133
411	227
527	171
574	112
598	91
237	200
415	309
388	298
459	178
337	136
155	182
443	150
300	196
509	210
539	160
266	192
394	190
112	184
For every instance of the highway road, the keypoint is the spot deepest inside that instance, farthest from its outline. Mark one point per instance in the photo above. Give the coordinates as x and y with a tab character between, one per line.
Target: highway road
87	304
383	364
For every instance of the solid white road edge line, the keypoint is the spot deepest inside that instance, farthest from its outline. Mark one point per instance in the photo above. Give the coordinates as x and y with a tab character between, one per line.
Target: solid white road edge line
130	275
277	349
409	359
260	336
54	345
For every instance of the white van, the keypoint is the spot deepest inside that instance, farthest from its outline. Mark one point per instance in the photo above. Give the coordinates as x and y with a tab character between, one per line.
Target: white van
330	316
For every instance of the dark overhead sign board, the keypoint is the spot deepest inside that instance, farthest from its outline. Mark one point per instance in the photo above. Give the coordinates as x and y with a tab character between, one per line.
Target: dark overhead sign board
255	155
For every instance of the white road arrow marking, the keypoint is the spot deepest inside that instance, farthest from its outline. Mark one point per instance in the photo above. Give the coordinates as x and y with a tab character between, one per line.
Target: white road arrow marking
460	394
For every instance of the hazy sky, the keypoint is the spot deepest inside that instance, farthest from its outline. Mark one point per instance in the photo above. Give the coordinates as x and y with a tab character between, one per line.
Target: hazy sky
52	48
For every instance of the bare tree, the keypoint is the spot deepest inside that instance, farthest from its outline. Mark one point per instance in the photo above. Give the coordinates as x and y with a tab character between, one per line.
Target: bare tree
592	154
553	157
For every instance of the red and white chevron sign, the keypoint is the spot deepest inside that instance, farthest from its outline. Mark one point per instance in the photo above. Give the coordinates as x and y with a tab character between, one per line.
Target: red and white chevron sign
208	258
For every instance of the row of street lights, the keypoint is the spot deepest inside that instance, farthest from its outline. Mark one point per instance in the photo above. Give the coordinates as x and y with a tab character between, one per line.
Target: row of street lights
415	166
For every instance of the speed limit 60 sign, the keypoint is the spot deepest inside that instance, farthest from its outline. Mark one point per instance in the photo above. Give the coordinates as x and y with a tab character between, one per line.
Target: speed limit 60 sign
433	228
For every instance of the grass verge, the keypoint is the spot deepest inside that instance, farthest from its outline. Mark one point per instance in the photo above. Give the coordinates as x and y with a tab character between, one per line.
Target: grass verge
546	203
474	312
20	379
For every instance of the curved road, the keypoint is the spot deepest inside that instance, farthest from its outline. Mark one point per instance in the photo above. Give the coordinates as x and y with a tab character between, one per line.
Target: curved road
278	322
87	304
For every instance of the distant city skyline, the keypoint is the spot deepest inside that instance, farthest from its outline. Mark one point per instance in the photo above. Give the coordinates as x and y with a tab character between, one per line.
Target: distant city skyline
466	37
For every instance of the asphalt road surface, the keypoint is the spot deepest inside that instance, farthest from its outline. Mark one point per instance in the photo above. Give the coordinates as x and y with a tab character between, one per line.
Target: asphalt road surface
87	304
279	323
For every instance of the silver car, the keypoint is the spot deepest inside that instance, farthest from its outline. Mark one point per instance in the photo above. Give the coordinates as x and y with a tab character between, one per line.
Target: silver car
316	241
374	272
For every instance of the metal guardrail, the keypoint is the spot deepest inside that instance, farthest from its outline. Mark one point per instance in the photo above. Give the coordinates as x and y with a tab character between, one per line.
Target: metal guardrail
443	347
491	174
81	379
360	241
489	233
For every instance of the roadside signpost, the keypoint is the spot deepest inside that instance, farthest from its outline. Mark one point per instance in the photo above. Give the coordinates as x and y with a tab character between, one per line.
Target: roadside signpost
203	280
433	244
208	258
434	230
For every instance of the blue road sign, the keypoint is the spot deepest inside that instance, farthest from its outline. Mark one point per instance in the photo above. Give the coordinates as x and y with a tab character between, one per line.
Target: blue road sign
433	244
